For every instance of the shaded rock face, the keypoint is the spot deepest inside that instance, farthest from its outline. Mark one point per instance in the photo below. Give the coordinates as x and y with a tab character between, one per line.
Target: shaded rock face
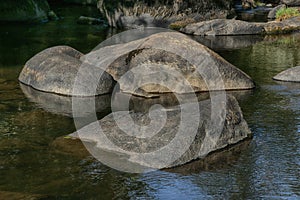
289	75
24	10
237	27
291	2
168	62
130	149
55	69
161	13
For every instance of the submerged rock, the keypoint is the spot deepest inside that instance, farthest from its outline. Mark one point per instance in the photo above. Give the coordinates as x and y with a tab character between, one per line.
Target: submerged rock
55	70
89	20
141	145
167	62
290	75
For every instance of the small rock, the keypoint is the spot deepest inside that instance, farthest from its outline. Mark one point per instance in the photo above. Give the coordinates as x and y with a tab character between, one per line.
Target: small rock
272	13
52	15
289	75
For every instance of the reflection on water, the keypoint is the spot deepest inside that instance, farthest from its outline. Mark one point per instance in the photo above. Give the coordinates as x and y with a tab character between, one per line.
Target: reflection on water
34	160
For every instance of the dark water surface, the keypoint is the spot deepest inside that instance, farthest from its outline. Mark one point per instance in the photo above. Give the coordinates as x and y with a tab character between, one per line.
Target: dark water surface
31	161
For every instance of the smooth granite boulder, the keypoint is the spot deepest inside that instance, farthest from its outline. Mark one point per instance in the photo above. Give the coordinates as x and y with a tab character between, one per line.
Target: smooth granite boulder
55	70
223	27
167	62
290	75
144	141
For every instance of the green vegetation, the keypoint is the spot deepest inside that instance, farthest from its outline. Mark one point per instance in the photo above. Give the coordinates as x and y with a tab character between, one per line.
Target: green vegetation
285	13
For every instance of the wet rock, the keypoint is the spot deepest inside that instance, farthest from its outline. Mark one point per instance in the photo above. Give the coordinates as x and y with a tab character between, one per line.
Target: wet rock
290	75
224	27
55	70
89	20
131	149
167	62
24	11
272	13
291	2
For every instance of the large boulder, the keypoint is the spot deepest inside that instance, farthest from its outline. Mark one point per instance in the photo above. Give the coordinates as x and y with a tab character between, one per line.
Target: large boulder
140	144
161	13
285	26
167	62
55	70
290	75
224	27
24	10
291	2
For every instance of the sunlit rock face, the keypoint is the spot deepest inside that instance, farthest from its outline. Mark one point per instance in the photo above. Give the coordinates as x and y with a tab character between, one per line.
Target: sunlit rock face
146	139
161	13
24	10
168	62
290	75
55	70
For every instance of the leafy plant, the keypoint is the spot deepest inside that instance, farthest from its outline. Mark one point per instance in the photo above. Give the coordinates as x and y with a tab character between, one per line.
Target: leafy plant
285	13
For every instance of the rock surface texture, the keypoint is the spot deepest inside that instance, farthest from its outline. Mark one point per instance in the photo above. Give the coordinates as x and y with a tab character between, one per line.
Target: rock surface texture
131	149
237	27
162	12
168	62
290	75
55	69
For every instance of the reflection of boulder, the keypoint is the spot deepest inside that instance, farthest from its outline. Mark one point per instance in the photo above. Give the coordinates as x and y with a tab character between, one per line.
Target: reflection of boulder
217	43
62	105
168	62
55	70
214	161
142	141
290	75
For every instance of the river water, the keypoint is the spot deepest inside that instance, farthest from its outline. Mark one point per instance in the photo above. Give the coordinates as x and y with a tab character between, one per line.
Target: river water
33	163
